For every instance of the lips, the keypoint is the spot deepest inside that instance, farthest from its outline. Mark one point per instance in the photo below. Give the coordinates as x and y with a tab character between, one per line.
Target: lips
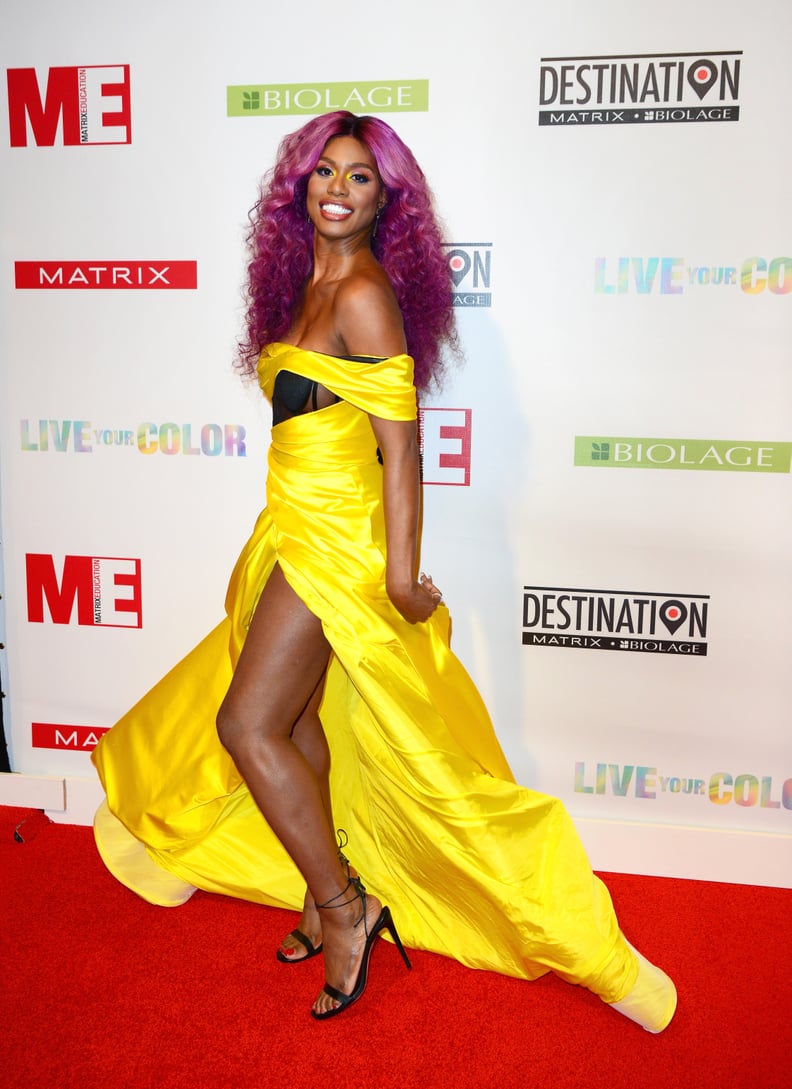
329	209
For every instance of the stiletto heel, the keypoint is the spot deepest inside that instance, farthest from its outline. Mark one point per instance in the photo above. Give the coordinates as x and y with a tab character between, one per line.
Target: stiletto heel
384	921
312	950
387	924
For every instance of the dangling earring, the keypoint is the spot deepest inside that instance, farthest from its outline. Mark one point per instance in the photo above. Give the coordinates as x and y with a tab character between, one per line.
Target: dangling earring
376	221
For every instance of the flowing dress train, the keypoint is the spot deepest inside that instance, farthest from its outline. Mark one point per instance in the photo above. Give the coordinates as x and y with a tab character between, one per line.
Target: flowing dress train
472	865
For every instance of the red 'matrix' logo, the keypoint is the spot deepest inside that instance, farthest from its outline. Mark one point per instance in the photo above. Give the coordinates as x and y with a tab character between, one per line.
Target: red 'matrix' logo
106	275
56	735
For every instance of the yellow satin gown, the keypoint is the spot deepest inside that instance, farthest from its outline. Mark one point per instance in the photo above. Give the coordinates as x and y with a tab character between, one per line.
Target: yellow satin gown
472	865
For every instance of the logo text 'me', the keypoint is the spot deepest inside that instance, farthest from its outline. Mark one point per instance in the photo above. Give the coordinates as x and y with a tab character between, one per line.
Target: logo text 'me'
89	105
105	589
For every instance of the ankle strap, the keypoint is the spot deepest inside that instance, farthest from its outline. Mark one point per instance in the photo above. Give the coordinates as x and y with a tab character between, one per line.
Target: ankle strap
359	893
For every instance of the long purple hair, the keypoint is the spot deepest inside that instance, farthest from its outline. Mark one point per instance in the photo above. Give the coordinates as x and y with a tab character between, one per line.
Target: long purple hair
408	243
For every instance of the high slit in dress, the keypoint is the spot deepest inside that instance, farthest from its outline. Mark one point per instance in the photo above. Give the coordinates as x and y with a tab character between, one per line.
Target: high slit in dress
473	865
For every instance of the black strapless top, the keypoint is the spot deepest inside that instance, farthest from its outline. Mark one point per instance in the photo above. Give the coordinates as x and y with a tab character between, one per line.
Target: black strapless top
294	395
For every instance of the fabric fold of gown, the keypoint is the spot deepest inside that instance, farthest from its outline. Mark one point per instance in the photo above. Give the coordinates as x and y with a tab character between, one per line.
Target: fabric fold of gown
474	866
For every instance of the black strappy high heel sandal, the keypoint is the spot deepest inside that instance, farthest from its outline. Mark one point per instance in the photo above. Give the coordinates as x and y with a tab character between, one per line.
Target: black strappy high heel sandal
384	922
312	950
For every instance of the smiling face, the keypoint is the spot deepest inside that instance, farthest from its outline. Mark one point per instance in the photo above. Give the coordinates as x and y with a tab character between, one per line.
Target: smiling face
344	191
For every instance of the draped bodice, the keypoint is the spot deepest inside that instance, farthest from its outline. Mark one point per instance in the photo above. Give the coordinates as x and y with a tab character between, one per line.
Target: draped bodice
382	388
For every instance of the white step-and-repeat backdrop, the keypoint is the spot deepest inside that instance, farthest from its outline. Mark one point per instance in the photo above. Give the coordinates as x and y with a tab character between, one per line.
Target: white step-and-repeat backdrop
607	477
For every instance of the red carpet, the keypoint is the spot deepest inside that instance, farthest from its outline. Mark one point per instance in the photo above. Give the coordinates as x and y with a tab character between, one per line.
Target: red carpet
103	991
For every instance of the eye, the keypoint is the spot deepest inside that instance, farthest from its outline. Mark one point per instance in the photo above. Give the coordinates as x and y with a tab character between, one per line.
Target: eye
324	171
362	179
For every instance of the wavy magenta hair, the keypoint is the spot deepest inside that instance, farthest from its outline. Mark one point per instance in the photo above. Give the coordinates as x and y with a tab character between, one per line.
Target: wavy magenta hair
408	243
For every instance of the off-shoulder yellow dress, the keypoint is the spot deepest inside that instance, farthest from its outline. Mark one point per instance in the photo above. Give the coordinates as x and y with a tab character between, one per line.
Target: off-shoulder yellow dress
472	865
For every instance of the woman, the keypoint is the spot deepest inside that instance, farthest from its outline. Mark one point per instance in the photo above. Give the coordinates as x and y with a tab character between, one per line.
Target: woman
332	638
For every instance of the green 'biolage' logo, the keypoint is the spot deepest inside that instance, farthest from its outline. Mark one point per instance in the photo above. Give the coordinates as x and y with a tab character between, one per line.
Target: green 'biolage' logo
717	455
277	99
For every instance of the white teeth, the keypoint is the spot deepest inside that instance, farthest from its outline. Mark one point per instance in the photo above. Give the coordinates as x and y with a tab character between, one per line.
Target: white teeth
336	209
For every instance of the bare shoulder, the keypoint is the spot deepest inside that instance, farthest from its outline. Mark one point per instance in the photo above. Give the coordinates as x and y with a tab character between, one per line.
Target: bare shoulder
367	315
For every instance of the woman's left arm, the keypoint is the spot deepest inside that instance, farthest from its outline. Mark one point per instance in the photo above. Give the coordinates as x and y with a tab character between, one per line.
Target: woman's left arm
369	323
415	599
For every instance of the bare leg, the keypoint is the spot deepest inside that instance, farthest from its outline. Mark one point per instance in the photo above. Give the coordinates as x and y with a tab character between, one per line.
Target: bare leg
282	663
309	738
308	735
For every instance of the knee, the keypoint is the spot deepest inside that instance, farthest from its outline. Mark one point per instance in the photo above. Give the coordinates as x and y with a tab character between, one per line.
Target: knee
246	738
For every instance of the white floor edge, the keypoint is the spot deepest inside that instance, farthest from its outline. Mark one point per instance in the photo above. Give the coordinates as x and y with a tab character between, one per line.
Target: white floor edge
656	850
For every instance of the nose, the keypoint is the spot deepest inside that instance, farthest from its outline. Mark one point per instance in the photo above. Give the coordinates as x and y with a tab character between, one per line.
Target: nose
337	185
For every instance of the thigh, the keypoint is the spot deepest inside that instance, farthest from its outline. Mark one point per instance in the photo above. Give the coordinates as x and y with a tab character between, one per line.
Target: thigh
282	663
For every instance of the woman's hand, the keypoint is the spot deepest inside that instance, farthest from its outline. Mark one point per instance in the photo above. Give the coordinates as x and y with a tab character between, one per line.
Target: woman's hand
417	600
